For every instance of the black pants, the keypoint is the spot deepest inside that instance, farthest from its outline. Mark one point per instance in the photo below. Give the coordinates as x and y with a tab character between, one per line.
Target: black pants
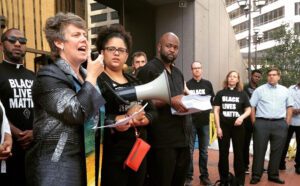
16	167
236	133
3	178
248	136
265	131
168	166
291	131
115	174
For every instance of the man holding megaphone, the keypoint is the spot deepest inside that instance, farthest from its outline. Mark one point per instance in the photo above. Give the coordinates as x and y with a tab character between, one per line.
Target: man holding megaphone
169	155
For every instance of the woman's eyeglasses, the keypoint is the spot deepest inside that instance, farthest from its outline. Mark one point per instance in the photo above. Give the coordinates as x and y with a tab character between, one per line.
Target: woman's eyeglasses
114	49
13	39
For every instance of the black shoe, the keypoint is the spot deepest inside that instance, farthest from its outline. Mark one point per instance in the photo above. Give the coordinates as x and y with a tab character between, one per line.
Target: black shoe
205	181
254	180
297	170
276	180
188	182
282	167
223	183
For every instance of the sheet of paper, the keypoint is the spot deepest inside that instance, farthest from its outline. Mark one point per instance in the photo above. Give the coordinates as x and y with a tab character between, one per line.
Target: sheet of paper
194	103
123	121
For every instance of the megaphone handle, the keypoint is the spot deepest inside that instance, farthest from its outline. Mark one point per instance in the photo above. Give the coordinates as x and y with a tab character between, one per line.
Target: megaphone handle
115	94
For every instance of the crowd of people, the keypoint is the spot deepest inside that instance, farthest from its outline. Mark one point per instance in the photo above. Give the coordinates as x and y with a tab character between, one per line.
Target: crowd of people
43	117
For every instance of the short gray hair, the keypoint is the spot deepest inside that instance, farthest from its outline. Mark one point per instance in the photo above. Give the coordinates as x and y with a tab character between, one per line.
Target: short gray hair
55	27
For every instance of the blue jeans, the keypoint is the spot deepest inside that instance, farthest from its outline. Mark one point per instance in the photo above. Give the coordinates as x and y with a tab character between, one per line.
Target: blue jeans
203	140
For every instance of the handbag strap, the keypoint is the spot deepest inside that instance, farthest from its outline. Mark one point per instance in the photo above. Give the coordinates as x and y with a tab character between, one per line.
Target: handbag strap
136	132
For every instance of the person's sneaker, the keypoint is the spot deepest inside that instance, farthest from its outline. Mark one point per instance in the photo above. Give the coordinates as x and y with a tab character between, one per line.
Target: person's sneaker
188	182
205	181
247	171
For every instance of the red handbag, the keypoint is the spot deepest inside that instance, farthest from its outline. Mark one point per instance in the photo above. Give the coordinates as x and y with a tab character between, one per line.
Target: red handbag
137	153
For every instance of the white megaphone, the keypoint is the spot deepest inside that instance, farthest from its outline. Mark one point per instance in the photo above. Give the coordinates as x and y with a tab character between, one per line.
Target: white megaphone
156	89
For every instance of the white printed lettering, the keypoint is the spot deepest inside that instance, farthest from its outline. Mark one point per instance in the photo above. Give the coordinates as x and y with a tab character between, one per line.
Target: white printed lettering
230	99
229	106
12	83
231	114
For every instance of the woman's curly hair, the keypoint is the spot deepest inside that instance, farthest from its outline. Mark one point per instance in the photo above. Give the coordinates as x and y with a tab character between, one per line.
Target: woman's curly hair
107	32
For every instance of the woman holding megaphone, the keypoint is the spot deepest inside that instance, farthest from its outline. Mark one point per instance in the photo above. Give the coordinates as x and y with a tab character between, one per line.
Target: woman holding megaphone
114	43
65	98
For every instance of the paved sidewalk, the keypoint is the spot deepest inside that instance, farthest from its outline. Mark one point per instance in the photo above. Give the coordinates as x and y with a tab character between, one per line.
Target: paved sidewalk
289	175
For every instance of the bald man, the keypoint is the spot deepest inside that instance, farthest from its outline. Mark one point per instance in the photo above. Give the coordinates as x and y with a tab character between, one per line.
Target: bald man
169	156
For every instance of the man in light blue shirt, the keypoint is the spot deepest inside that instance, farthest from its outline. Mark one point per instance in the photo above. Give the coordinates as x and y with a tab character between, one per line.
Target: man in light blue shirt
294	127
271	114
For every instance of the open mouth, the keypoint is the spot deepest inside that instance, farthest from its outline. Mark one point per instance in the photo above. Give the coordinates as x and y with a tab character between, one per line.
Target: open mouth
82	49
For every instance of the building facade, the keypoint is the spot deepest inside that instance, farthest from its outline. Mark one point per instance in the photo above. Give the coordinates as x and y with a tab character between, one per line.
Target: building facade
98	15
203	27
271	16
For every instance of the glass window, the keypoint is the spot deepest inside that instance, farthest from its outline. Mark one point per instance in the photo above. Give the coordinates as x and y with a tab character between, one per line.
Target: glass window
297	8
297	28
94	41
280	11
99	18
243	43
114	15
229	2
97	6
241	27
236	13
268	35
269	17
261	20
276	14
94	30
270	1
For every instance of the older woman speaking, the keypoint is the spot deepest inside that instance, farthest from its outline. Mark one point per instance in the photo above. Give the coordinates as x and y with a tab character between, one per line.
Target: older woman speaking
65	98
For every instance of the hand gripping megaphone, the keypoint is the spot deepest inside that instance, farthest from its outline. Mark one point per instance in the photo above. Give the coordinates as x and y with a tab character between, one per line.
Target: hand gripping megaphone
156	89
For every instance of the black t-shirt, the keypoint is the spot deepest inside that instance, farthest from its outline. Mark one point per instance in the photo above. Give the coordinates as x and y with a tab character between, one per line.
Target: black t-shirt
232	104
16	95
249	90
167	130
115	142
203	88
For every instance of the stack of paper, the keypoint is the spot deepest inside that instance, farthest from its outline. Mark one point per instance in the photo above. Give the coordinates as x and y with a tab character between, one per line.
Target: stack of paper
194	103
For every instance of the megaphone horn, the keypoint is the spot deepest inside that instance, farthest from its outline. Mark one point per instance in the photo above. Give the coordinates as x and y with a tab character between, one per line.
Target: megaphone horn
156	89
